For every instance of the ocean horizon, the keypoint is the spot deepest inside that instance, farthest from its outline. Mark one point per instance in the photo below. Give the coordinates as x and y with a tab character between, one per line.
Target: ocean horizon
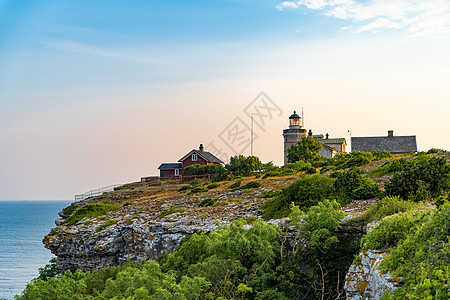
23	225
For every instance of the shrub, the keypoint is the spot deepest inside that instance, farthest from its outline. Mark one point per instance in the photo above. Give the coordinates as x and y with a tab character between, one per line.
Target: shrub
90	211
251	185
70	209
212	186
207	202
269	194
386	207
423	174
197	189
391	230
379	155
352	159
243	166
198	169
49	270
355	186
235	185
422	258
305	192
184	188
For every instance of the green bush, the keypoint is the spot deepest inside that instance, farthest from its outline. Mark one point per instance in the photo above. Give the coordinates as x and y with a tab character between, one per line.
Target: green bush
269	194
212	186
90	211
70	209
392	230
184	188
49	270
236	185
305	192
424	177
422	258
386	207
251	185
198	169
207	202
244	165
352	159
355	186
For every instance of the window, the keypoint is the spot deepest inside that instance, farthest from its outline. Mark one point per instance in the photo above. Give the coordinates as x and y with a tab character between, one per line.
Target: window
194	157
177	172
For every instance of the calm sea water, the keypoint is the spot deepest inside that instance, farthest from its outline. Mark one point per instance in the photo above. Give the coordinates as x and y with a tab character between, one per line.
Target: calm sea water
23	224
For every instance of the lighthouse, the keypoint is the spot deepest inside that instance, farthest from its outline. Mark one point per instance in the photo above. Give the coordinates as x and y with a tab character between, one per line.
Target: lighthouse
293	134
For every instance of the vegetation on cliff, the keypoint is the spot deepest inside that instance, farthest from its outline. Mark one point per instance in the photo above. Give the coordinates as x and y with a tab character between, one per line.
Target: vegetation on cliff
259	261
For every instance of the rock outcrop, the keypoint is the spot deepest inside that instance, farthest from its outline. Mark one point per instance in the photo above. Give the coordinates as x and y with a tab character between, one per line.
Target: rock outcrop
365	282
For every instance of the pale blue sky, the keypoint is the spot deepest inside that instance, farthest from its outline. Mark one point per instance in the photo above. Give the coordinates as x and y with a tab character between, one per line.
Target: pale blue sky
94	93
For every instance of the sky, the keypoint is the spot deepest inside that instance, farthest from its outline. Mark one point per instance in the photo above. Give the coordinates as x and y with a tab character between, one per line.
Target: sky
101	92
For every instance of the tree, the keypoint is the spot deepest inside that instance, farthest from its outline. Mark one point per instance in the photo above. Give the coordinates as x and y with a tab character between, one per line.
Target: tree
307	150
241	165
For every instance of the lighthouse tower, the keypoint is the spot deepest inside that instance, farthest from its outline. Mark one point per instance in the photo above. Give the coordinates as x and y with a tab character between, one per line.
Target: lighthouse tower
293	134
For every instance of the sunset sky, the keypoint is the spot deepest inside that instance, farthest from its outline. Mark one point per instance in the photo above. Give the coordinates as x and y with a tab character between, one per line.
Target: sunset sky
100	92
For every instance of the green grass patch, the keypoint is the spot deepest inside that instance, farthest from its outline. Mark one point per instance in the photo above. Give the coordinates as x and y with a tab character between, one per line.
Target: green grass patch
70	209
107	224
90	211
269	194
170	212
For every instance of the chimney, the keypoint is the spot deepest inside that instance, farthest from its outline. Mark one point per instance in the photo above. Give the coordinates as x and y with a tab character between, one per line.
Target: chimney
310	133
390	133
201	148
326	136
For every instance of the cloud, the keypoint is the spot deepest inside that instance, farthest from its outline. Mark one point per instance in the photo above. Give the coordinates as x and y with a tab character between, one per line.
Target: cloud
75	46
417	17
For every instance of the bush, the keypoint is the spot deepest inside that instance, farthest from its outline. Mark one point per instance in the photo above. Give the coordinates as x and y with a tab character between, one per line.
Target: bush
235	185
269	194
305	192
212	186
391	230
198	169
355	186
386	207
422	258
207	202
184	188
352	159
243	166
90	211
424	174
251	185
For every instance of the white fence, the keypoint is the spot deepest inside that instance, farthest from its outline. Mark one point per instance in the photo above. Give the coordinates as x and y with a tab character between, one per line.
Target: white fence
96	192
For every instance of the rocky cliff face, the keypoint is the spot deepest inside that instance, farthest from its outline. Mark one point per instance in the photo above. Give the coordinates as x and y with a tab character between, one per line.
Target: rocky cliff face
137	232
365	282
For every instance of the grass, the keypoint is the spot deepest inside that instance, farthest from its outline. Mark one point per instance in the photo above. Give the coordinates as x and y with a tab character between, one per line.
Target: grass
90	211
70	209
170	212
107	224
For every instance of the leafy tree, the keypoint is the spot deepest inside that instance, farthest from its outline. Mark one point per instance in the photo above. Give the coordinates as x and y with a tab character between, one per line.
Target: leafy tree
241	165
305	192
352	185
307	150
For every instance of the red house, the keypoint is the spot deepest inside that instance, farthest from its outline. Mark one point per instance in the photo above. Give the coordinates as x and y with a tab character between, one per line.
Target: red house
194	157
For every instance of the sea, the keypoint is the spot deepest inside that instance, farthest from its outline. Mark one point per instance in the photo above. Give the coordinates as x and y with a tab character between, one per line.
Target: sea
23	225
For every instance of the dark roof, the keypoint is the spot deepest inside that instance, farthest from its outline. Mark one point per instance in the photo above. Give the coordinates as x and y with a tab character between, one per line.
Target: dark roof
170	166
334	141
294	116
208	156
325	146
393	144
